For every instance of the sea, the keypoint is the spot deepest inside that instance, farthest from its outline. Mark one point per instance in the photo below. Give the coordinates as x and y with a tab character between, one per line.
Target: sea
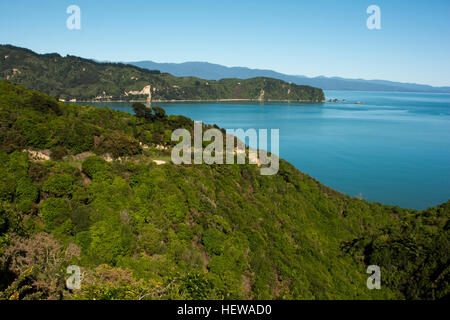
387	147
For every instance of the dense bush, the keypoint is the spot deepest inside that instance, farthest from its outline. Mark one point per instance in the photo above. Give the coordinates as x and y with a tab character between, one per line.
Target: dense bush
193	232
119	145
59	185
159	112
141	111
43	104
413	253
58	152
26	194
93	165
54	211
213	241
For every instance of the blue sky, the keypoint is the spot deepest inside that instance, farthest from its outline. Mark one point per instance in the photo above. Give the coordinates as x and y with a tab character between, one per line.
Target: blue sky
321	37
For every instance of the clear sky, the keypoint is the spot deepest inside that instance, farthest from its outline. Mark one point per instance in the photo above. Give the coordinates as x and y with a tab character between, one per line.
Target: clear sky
312	38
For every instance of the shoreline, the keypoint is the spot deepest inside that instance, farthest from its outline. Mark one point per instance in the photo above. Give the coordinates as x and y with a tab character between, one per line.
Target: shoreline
195	100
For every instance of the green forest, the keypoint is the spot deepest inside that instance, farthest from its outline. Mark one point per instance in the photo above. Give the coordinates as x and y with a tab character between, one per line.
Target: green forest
72	77
79	187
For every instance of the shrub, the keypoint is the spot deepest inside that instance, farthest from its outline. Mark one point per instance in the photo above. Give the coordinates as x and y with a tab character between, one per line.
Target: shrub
37	264
213	241
7	186
27	193
94	165
184	232
119	145
58	152
59	185
54	211
142	111
81	219
196	285
38	172
150	239
43	104
159	112
36	135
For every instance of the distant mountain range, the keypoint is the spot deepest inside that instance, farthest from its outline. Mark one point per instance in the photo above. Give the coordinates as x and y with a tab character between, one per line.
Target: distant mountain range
212	71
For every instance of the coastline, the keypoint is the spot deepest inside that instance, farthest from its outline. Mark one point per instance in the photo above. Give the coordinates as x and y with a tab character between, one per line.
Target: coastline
196	100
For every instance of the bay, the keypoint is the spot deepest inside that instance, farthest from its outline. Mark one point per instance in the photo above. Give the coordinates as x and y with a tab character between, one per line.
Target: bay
393	148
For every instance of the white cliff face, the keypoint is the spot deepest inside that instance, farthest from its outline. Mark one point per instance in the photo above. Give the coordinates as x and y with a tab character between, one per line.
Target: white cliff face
14	72
38	155
146	91
261	95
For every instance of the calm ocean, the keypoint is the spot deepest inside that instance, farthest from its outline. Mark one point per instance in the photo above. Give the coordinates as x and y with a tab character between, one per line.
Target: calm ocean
394	148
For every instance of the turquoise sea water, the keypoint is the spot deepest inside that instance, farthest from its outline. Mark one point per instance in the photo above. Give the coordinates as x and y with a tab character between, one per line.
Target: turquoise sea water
394	148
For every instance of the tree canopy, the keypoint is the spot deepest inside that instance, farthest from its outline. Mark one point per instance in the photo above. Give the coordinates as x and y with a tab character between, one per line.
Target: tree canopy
143	231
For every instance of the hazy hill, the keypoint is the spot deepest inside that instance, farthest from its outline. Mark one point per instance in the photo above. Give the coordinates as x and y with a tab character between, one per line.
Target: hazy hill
215	72
77	78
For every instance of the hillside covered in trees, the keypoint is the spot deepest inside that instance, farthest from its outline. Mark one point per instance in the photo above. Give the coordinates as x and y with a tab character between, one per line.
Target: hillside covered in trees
71	78
79	187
